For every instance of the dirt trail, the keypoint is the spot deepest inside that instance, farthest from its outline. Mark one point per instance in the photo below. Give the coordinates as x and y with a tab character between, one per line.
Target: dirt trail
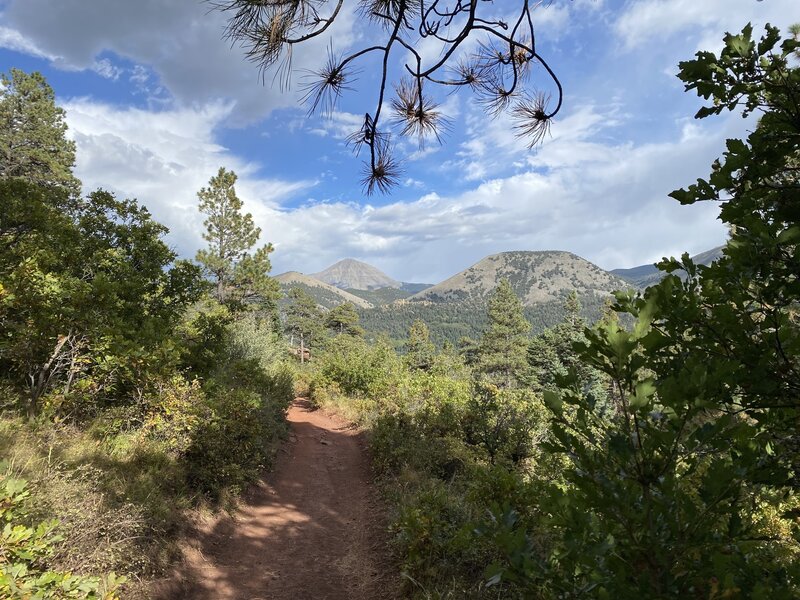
311	530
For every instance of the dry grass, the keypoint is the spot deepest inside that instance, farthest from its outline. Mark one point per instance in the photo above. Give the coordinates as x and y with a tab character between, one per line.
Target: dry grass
119	498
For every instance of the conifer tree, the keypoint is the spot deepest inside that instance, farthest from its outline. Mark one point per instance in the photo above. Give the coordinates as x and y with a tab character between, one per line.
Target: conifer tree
502	349
420	351
343	319
303	320
239	276
33	142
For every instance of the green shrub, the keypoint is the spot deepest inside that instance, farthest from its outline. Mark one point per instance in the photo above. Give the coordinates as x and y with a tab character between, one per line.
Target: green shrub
506	423
24	551
358	368
231	445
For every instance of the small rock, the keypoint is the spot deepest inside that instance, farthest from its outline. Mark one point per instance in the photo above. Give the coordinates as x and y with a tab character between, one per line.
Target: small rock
326	442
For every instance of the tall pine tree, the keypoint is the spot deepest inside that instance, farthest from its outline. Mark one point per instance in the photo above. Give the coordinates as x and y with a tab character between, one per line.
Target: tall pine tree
33	142
240	277
420	351
343	319
304	321
501	355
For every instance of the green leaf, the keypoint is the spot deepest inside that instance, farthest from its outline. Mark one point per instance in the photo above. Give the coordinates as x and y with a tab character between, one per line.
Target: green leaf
644	391
553	401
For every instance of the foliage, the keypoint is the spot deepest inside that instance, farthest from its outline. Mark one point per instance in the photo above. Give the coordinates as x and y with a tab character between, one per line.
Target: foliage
452	320
498	70
358	368
85	290
304	319
33	142
703	439
506	423
420	351
503	346
24	551
240	277
343	319
144	397
552	356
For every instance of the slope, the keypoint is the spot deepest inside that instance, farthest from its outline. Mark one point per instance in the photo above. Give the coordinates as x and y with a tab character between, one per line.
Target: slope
645	275
326	295
536	276
354	274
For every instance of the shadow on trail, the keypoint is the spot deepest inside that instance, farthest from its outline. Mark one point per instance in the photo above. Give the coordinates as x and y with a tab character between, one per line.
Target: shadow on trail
311	529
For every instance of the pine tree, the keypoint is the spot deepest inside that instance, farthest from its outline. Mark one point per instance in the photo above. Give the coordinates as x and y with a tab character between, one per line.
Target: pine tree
343	319
33	142
420	351
240	277
503	347
303	321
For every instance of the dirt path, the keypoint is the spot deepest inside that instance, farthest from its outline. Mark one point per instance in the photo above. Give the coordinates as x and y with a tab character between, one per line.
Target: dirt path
311	530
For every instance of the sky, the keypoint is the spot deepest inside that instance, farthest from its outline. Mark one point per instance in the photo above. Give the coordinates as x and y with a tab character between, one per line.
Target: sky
157	100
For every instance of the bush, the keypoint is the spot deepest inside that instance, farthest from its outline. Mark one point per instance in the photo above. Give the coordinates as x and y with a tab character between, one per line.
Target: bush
24	551
358	368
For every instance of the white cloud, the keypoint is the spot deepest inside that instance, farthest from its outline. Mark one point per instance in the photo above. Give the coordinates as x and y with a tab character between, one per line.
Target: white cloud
652	21
14	40
611	208
181	41
162	158
105	68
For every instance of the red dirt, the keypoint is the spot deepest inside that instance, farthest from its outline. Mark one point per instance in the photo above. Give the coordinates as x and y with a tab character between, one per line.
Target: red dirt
312	529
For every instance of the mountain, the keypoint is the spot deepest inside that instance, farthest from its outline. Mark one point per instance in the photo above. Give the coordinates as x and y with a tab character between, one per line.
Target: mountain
537	277
354	274
326	295
645	275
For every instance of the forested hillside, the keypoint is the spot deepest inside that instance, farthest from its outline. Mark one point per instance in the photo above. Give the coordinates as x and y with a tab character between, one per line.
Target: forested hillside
135	387
655	460
532	428
325	295
451	321
645	275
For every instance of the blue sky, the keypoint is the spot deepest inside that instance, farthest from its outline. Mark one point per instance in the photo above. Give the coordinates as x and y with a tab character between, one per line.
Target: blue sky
156	101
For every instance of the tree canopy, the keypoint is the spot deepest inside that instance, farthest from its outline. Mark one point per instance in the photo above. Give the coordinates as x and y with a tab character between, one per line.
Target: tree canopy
240	277
33	142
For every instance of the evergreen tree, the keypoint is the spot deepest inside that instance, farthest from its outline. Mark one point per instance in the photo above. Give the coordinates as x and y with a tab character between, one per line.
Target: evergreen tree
552	355
420	351
303	320
33	142
240	277
503	347
343	319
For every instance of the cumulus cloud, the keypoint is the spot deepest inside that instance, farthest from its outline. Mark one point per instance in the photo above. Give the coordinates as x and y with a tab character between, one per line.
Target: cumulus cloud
180	40
598	186
651	21
162	158
609	204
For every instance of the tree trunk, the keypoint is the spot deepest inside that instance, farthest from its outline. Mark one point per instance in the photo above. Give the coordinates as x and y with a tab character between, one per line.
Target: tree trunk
40	380
302	350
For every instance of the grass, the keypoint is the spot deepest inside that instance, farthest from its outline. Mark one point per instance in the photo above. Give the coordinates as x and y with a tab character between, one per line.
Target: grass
120	499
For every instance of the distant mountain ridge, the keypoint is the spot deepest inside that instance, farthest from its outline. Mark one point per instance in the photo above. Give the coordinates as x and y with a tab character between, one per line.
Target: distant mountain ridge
536	277
456	307
646	275
326	295
354	274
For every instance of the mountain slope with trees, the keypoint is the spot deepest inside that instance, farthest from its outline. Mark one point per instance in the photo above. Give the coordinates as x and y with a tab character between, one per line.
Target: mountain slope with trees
645	275
327	296
535	276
